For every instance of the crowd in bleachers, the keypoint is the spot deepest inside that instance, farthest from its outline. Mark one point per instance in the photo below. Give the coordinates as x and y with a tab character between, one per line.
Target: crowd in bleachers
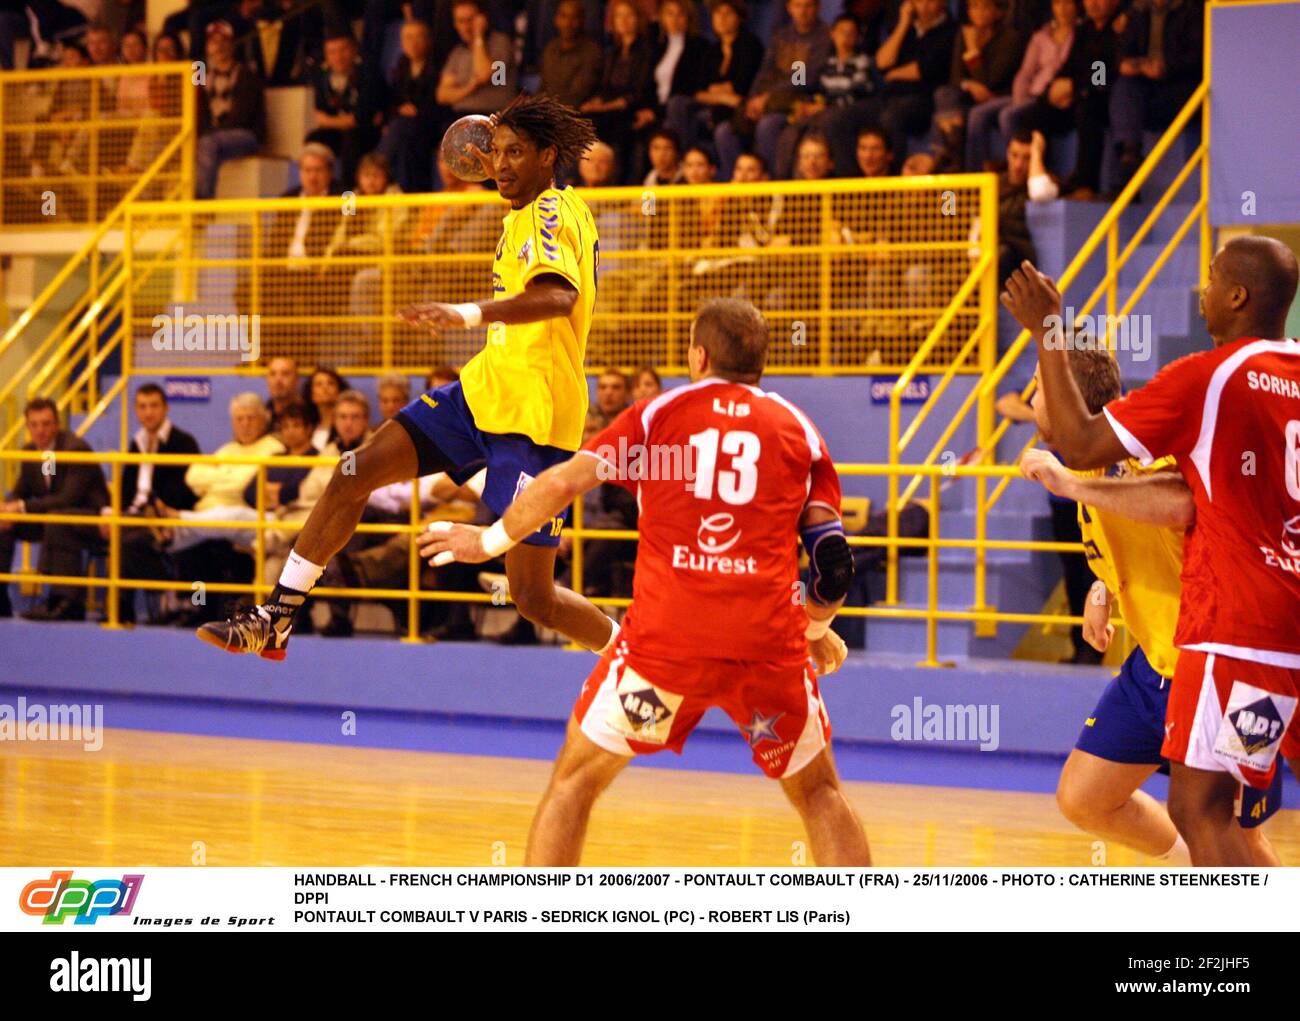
668	83
196	521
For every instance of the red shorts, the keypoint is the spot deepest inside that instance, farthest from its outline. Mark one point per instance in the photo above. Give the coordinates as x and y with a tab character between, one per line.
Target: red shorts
1232	716
633	705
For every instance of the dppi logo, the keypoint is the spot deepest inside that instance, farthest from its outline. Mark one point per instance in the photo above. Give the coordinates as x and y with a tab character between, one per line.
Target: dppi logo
60	896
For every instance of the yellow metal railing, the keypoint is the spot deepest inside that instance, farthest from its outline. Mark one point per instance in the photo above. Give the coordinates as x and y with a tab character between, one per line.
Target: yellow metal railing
851	274
983	394
929	612
74	141
91	328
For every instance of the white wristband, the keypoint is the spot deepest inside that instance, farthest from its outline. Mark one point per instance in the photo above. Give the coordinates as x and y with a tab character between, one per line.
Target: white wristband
817	628
470	312
496	540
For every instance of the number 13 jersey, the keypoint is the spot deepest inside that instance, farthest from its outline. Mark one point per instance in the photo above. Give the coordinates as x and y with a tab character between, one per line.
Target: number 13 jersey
722	472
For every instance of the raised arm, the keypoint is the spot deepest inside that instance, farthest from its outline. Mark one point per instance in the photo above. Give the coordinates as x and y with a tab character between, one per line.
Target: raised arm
543	499
1160	498
1085	440
546	296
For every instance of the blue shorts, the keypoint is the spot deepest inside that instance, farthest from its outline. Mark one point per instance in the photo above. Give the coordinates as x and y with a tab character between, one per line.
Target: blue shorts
1128	726
446	439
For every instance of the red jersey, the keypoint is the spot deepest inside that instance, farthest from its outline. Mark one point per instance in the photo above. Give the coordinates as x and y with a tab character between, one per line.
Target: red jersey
1231	417
722	473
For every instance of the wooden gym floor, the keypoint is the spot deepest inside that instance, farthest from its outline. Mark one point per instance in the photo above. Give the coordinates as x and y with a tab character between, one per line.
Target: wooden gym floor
176	799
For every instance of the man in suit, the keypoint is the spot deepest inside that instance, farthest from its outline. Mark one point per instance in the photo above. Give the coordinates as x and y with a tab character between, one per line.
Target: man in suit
143	484
302	285
49	486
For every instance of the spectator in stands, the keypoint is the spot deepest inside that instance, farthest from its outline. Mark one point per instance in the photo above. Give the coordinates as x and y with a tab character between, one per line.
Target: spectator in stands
281	387
571	62
607	563
665	151
859	216
321	392
1160	55
145	483
1024	180
101	45
133	90
1083	97
874	156
919	164
303	284
806	40
700	215
1048	49
220	487
51	487
845	79
479	76
368	233
394	394
351	428
413	115
680	67
149	140
612	393
729	68
813	162
232	110
441	375
290	492
915	59
598	167
167	48
66	152
646	383
345	111
620	106
284	40
985	57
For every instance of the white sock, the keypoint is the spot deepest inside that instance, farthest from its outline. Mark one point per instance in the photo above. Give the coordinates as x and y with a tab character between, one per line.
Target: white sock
1178	854
299	574
614	629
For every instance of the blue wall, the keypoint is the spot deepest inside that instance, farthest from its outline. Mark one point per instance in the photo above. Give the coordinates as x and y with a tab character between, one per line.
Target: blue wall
1254	118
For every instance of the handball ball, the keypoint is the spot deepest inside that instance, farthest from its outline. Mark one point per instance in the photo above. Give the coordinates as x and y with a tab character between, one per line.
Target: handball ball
472	130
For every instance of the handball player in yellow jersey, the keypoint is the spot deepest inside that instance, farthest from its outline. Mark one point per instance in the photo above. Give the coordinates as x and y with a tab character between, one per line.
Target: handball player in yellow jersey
1132	520
518	407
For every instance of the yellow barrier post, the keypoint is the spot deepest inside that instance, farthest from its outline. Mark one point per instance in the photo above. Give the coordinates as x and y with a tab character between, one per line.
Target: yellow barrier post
1206	233
259	543
114	550
932	585
988	353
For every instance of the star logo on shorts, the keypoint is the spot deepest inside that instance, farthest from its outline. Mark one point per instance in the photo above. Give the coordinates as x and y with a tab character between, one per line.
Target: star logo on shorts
761	728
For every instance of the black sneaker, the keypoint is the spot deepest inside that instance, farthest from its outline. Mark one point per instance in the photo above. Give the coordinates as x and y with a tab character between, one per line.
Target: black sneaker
263	630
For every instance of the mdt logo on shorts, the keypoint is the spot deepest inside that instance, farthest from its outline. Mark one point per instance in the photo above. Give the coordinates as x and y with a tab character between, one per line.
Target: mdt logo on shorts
86	901
644	709
1258	725
642	712
1253	723
77	974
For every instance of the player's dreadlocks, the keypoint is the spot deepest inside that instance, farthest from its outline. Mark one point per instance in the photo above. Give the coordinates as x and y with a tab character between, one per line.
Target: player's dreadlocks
546	121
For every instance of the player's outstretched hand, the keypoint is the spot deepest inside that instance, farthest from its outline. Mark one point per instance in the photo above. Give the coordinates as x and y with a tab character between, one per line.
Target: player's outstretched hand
1032	298
1038	465
435	316
828	653
442	542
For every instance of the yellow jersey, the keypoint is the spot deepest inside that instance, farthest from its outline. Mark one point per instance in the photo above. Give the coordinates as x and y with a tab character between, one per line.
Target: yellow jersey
529	378
1142	565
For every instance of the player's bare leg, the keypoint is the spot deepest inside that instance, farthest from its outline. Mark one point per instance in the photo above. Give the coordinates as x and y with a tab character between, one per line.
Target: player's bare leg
582	770
1103	798
388	456
834	832
531	570
1262	854
1201	805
